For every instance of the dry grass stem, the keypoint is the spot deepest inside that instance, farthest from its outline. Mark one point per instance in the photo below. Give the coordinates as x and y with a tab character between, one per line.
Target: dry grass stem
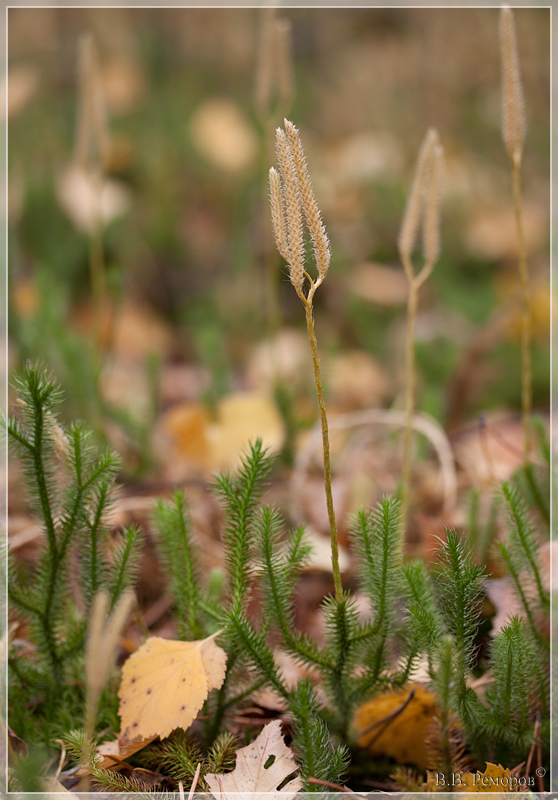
292	201
284	61
92	141
91	153
194	781
431	219
274	69
423	206
513	103
513	134
414	208
100	649
263	87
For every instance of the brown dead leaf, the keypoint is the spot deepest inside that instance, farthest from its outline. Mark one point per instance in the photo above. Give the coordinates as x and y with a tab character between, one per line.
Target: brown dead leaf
284	359
164	685
253	773
384	286
491	454
491	232
114	752
503	596
138	332
356	380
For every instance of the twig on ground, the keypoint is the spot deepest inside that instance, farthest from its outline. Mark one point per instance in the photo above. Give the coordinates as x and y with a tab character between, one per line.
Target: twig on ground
194	781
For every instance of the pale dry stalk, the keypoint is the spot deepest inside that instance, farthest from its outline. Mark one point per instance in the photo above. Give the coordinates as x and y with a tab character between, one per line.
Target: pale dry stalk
263	88
274	69
273	96
423	206
513	134
100	649
292	204
92	146
284	63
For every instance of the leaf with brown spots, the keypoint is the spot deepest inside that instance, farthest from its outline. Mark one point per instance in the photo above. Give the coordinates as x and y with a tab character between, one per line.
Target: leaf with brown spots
165	683
261	767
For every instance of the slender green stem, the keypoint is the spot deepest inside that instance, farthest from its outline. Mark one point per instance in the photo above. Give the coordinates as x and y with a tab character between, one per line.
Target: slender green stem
412	304
210	611
232	701
325	442
526	373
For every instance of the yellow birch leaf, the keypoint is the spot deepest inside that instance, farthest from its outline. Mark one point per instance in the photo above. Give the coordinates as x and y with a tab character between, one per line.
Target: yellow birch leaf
165	683
254	773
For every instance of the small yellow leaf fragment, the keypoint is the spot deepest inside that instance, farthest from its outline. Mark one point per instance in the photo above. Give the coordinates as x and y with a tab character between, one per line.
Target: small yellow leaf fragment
254	773
405	735
494	779
165	683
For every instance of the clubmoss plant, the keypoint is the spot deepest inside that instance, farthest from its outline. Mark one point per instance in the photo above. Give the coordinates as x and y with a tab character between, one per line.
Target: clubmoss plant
513	134
422	207
70	489
415	613
294	207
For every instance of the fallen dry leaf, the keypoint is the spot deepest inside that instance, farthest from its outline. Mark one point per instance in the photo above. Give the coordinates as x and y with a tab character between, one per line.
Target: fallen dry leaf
491	231
223	135
494	779
242	418
404	738
491	454
285	358
164	685
356	380
384	286
253	772
114	752
187	441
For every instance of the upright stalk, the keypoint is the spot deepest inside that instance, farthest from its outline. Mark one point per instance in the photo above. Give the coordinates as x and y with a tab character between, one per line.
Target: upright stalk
526	373
412	304
294	209
325	444
422	207
513	135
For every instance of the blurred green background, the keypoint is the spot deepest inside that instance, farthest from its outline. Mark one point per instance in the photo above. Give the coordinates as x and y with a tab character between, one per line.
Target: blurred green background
194	282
